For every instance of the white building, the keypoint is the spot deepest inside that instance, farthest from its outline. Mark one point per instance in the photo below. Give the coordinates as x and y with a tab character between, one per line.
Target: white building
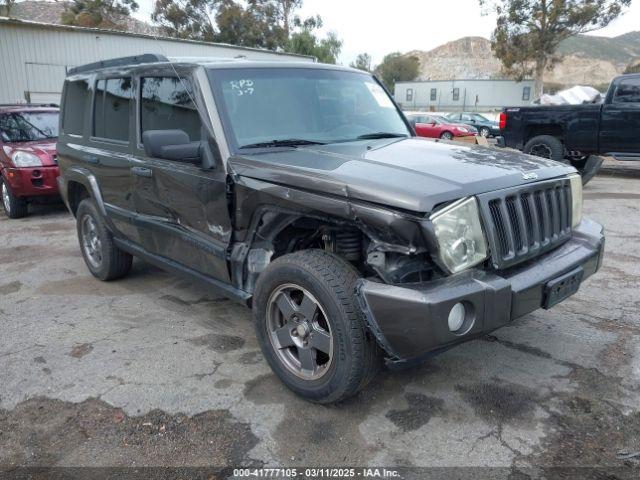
35	56
463	95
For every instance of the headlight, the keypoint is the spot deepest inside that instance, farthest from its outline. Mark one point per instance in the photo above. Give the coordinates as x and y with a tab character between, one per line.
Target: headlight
463	129
460	238
24	159
576	200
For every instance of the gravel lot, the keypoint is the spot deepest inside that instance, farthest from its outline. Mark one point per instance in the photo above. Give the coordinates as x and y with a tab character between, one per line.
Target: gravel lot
153	370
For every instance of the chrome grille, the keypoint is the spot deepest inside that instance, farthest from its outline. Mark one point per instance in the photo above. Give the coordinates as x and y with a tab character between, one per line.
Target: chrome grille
527	221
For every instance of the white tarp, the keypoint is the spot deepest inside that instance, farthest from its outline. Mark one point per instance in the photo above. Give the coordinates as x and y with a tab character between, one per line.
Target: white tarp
572	96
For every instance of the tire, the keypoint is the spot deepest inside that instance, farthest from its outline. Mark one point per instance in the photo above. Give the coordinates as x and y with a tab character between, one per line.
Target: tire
314	277
485	132
14	207
546	146
104	260
446	136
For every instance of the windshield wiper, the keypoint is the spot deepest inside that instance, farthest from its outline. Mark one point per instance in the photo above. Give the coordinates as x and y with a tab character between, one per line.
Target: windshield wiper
376	135
288	142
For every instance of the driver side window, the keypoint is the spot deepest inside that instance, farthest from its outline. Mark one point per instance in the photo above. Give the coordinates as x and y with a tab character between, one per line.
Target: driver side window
166	103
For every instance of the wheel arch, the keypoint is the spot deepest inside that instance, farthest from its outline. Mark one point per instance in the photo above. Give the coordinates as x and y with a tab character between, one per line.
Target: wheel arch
556	130
79	184
276	231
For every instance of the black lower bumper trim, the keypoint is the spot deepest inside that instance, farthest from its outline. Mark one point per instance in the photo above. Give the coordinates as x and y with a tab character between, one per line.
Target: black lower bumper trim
411	320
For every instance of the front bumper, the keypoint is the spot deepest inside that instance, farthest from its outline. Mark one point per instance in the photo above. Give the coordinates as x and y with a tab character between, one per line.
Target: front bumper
410	321
33	181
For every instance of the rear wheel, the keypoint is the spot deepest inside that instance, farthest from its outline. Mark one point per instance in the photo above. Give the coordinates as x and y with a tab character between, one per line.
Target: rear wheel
14	207
104	260
310	328
446	136
546	146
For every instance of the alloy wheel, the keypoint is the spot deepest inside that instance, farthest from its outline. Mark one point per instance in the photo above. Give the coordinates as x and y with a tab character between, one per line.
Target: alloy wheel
484	132
91	243
299	332
541	150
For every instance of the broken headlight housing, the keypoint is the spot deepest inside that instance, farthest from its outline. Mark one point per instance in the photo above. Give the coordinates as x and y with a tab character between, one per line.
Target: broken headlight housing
576	200
461	242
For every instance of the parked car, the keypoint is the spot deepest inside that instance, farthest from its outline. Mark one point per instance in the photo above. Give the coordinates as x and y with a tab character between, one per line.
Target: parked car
28	164
576	134
486	128
435	126
300	190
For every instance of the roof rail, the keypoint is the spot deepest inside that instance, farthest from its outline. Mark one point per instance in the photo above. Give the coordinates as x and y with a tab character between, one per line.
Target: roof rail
119	62
54	105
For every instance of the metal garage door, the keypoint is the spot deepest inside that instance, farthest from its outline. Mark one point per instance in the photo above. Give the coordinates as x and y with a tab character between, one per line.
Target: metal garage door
44	82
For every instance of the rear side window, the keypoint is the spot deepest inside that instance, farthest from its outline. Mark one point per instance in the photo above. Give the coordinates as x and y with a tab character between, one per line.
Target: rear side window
166	104
628	91
75	99
111	108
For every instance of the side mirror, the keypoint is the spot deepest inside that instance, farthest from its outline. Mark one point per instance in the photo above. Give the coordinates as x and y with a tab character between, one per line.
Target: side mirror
172	145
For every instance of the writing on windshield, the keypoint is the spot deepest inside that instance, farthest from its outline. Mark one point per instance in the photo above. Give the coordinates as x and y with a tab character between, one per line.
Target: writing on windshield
279	107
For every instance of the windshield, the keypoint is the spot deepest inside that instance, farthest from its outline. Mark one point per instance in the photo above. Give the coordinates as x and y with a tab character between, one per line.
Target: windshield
28	126
480	118
298	106
440	119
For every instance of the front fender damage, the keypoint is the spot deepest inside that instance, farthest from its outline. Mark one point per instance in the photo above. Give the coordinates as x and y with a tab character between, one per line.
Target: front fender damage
396	243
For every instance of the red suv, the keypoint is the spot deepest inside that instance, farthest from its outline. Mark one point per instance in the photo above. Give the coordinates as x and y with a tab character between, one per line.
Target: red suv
28	160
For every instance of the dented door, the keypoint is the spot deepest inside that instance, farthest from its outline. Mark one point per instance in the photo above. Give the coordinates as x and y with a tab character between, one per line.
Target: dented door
182	214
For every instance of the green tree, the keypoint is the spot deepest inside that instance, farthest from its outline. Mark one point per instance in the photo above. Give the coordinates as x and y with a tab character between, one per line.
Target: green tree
184	19
362	62
286	11
99	13
249	23
5	7
396	67
306	42
528	32
254	25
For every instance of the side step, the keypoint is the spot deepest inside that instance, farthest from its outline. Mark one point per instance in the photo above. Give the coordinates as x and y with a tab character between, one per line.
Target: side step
625	157
169	265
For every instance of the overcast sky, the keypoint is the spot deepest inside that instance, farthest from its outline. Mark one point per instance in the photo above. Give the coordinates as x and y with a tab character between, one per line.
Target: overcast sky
380	27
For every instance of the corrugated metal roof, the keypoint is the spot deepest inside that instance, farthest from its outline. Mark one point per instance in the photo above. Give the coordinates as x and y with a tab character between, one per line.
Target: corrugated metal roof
18	22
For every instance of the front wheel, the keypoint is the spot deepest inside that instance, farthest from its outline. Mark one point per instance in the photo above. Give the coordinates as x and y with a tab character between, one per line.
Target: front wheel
484	132
446	136
14	207
310	329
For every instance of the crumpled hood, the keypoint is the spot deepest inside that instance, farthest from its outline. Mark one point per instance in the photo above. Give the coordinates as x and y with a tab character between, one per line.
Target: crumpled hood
413	174
44	149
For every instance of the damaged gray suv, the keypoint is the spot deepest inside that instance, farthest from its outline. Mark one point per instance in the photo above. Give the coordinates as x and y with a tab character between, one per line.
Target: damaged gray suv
300	190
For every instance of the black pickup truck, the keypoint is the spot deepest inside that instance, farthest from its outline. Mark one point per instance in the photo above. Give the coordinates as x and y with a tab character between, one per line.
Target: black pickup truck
576	133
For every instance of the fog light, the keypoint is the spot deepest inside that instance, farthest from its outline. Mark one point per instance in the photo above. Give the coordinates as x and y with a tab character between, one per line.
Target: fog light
456	317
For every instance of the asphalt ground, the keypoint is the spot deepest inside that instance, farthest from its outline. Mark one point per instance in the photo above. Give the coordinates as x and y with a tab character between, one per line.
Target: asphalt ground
152	370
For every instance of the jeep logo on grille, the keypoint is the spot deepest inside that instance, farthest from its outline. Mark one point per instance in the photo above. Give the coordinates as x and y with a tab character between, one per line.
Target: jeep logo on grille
530	176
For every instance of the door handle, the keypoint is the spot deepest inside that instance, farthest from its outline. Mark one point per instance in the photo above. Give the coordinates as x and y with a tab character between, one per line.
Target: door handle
142	172
90	159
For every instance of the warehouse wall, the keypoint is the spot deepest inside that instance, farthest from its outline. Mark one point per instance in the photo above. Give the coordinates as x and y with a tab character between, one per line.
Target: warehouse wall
473	95
35	57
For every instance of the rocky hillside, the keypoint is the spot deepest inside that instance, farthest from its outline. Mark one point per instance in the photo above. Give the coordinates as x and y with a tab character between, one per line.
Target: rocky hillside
586	59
